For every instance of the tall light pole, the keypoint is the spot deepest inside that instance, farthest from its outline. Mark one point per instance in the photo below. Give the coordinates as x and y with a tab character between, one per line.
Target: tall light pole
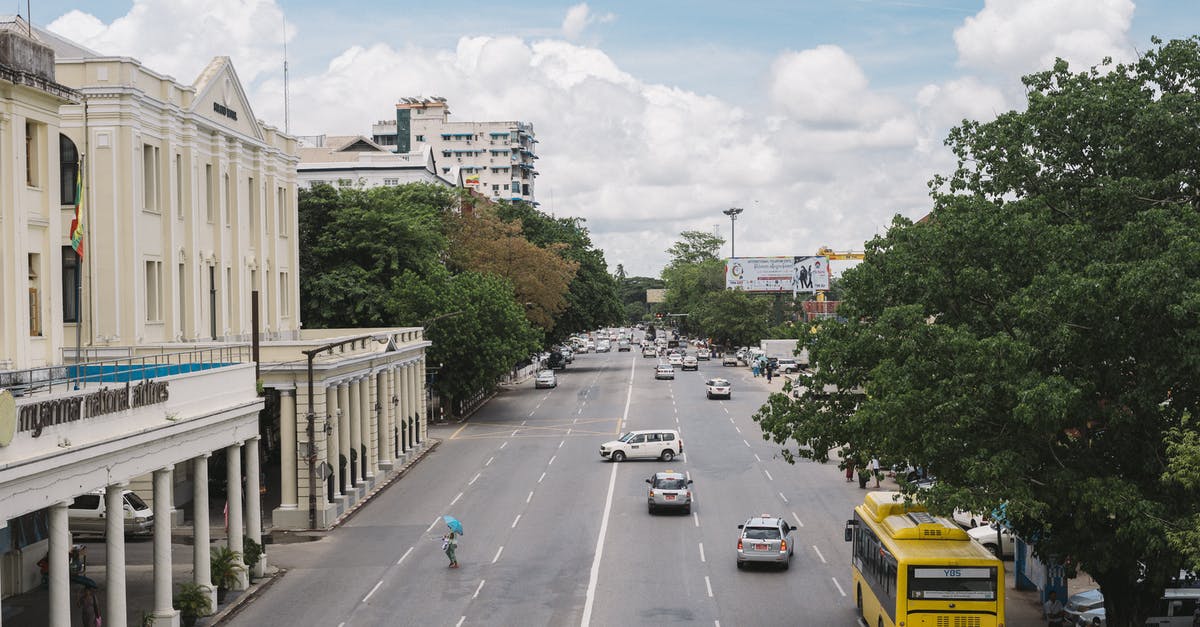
732	212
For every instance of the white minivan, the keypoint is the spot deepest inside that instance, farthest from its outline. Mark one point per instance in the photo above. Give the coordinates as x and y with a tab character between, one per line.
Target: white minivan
86	514
662	444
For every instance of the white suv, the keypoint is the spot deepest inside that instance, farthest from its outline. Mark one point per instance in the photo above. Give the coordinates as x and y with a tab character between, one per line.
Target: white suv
662	444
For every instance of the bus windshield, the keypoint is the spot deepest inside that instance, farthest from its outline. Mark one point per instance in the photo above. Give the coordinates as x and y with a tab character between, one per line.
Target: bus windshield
950	582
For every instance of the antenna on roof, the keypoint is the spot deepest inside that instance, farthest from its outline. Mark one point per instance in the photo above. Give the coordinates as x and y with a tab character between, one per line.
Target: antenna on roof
287	105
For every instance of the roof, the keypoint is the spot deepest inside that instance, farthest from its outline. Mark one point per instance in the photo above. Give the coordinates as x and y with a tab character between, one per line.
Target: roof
63	48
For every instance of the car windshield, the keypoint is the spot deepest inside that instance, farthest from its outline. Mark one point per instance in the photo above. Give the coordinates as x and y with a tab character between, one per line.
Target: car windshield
136	501
718	383
671	483
627	437
762	533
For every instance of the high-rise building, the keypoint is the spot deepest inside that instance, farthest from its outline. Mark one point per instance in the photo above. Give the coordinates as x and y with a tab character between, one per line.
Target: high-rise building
496	158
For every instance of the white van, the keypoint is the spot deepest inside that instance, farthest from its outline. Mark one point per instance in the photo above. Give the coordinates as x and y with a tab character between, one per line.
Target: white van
662	444
86	514
1179	606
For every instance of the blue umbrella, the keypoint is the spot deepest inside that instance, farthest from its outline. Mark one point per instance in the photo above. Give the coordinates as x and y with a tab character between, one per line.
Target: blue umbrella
453	524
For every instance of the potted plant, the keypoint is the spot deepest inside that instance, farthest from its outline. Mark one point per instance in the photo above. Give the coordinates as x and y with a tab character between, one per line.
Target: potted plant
254	552
226	564
192	601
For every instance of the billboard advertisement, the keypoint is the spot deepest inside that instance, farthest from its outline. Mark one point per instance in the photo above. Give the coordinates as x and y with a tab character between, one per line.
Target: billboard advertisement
773	275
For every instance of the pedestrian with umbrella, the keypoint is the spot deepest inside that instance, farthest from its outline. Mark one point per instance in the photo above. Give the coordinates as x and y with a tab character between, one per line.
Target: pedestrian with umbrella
450	540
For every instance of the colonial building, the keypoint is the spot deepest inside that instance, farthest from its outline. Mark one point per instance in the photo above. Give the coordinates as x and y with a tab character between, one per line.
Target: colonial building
496	158
350	161
173	357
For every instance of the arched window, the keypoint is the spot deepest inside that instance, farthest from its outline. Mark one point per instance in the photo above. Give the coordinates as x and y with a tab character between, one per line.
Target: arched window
68	167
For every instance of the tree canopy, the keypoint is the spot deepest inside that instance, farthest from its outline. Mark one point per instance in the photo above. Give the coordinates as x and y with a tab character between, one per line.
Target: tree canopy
1033	342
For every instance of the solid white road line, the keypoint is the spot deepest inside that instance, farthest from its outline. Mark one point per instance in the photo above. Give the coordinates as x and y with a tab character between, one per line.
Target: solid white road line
708	584
798	521
530	498
456	498
696	517
702	552
594	577
515	521
498	552
541	477
489	461
476	595
839	586
783	497
819	554
460	621
404	556
368	597
552	458
757	457
475	478
503	444
768	473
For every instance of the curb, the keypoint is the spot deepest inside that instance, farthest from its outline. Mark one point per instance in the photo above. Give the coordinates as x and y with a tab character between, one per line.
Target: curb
369	496
244	599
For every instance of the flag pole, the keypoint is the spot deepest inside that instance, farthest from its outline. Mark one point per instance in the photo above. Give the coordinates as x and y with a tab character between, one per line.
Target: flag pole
79	283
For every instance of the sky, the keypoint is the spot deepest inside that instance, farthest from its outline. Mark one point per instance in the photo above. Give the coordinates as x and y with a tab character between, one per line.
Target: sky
822	119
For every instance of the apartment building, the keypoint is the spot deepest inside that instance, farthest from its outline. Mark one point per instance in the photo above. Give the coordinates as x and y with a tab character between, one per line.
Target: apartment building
496	159
353	161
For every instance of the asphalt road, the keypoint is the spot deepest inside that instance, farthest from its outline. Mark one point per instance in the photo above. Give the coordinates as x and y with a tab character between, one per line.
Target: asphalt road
557	536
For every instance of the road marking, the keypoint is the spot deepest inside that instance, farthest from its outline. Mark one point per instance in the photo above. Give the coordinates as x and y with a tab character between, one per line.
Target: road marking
757	457
456	498
535	409
476	595
702	552
431	525
552	458
819	554
839	586
457	431
498	552
798	521
731	420
529	498
708	584
404	556
460	621
541	477
559	444
523	422
514	433
568	431
676	419
515	521
368	597
473	480
746	443
504	444
696	517
725	408
594	577
768	473
783	497
739	429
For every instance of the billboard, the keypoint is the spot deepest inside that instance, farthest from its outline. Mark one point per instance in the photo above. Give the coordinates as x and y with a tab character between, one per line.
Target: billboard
656	296
777	274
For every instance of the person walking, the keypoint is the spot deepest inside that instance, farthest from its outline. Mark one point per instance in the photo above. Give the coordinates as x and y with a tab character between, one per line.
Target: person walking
449	545
1053	609
849	470
875	470
89	608
770	371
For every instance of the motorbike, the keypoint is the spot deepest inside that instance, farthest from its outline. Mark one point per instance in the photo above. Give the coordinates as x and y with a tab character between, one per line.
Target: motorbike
76	562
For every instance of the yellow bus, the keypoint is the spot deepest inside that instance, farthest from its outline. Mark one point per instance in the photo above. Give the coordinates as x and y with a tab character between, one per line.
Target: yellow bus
912	569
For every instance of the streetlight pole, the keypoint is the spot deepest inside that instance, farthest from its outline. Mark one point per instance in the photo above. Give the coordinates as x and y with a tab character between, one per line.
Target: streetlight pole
732	212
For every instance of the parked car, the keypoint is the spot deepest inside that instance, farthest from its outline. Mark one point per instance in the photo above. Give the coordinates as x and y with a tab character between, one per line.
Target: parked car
765	538
1082	603
545	379
718	388
986	535
669	490
662	444
664	371
87	513
690	363
787	365
729	360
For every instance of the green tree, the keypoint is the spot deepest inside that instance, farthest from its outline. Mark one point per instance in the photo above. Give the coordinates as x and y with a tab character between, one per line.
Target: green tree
734	318
1034	342
632	293
692	276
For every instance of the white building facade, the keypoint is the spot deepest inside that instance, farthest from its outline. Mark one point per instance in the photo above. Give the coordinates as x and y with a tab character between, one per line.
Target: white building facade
497	159
355	161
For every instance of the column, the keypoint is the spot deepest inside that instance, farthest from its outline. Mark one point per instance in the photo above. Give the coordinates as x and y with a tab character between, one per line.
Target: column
289	496
115	611
366	412
422	412
164	614
201	538
344	440
383	400
405	406
416	407
333	440
60	583
355	431
254	502
394	424
233	487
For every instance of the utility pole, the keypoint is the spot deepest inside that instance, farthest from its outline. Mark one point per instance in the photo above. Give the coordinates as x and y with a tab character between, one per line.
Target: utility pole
733	212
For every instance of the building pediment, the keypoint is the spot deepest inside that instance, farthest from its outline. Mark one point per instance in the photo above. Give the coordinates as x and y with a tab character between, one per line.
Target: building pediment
221	100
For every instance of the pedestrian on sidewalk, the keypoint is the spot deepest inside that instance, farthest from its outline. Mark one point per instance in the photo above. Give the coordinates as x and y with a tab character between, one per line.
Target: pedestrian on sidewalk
449	545
770	371
849	470
1053	609
754	368
875	470
89	608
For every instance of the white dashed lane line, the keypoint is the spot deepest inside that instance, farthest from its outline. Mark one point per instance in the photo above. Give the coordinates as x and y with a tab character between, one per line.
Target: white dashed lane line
503	444
798	521
839	587
530	498
702	552
768	473
783	497
541	477
489	461
552	458
708	585
696	517
746	443
460	495
498	552
474	479
757	457
515	521
368	597
436	521
461	619
819	554
476	595
404	556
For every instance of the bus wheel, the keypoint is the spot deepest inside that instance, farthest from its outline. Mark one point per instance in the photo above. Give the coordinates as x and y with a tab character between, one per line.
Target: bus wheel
860	610
880	621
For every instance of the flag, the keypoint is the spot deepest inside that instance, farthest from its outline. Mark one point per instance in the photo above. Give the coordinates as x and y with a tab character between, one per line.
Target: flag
77	222
471	179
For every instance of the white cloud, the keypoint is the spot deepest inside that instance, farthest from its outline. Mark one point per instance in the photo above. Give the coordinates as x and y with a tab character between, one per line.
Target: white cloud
1015	37
579	17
